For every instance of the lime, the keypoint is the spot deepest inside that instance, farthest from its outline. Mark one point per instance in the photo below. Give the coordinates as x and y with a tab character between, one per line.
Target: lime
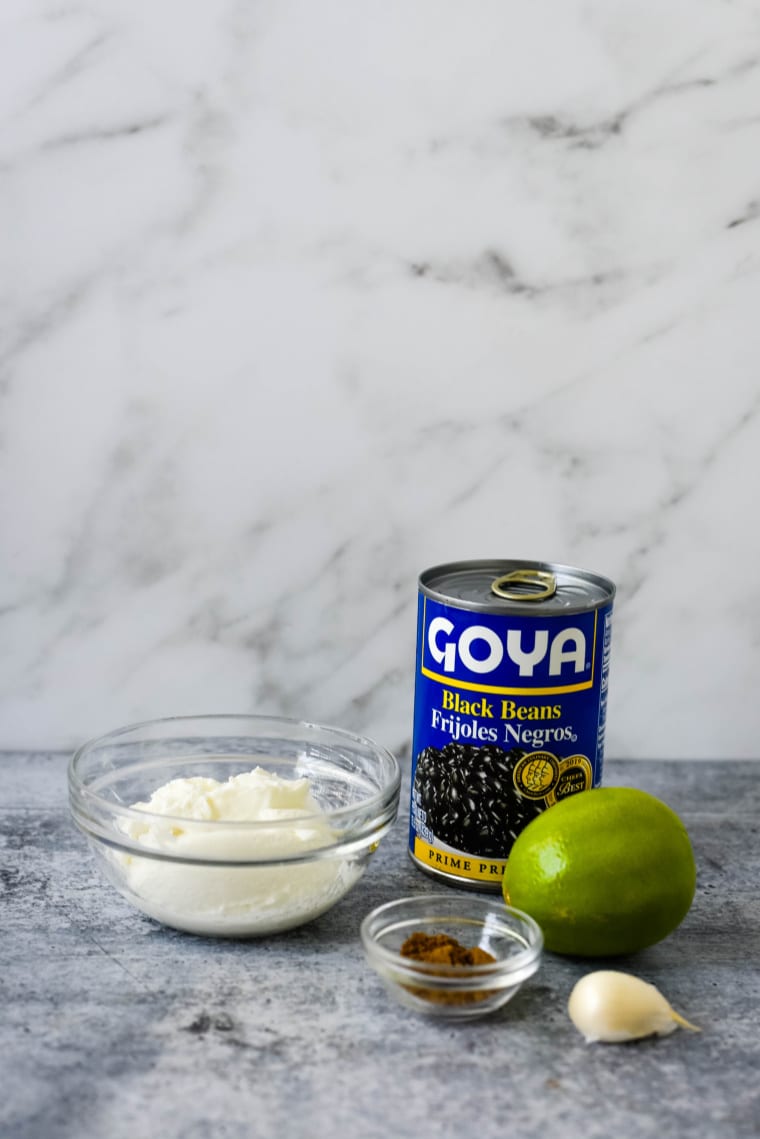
603	872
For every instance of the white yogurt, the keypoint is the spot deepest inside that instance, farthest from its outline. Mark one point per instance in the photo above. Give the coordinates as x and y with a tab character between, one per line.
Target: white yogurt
233	901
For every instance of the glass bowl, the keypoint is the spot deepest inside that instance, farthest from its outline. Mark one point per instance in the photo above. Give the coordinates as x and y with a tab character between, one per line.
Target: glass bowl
453	991
233	878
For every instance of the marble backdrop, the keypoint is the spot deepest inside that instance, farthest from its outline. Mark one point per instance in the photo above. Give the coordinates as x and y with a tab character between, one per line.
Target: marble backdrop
301	298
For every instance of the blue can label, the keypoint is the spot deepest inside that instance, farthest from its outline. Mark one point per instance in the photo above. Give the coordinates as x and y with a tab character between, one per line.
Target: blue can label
509	718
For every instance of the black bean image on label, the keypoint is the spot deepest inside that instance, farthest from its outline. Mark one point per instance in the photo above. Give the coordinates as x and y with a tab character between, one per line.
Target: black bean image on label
469	797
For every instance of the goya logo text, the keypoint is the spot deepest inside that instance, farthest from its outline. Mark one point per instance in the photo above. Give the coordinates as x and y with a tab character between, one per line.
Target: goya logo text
508	654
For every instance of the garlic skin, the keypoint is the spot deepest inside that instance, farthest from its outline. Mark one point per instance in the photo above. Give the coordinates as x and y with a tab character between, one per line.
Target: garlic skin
613	1008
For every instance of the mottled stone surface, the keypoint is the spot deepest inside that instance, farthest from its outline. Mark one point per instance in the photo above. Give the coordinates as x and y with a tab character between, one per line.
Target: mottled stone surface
115	1028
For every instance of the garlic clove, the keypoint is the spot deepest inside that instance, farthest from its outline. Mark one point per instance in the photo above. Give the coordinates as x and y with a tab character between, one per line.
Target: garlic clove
613	1008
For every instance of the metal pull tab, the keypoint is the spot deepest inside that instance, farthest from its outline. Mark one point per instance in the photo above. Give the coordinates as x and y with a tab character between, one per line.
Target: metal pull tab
538	585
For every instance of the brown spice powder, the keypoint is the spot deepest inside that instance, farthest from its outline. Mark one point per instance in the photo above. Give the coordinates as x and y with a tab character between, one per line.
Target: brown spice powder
440	949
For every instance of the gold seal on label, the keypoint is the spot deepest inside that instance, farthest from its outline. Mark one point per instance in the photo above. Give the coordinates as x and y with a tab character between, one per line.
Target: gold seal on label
536	775
575	774
541	775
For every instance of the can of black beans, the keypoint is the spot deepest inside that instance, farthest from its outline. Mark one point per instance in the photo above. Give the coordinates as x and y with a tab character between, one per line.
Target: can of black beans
510	703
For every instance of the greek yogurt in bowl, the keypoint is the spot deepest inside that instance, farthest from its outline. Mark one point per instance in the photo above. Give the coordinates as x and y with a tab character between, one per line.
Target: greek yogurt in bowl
233	826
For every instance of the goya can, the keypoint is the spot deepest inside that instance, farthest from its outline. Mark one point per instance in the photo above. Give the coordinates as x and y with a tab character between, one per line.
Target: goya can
510	704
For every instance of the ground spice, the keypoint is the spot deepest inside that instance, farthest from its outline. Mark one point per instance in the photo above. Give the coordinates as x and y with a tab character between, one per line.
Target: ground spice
440	949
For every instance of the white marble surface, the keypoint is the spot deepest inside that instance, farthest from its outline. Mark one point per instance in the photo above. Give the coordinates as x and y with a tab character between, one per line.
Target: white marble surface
298	299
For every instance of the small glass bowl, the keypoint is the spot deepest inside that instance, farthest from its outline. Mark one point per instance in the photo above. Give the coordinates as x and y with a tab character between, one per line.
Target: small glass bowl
453	991
225	878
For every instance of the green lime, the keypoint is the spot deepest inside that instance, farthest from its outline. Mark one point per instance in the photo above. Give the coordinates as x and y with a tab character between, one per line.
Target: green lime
603	872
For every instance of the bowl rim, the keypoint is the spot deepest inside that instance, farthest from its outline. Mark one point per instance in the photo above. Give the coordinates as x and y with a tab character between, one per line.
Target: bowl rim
86	803
461	976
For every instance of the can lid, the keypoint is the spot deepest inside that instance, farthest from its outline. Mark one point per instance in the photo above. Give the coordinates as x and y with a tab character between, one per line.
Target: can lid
513	585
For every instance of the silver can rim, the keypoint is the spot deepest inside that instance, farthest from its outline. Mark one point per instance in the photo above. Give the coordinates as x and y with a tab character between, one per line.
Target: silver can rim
604	589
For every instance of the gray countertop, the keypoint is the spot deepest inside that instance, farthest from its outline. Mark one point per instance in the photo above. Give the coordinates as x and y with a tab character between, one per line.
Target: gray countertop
115	1027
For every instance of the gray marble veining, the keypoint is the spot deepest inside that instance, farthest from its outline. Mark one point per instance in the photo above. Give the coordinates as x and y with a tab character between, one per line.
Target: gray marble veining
299	299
